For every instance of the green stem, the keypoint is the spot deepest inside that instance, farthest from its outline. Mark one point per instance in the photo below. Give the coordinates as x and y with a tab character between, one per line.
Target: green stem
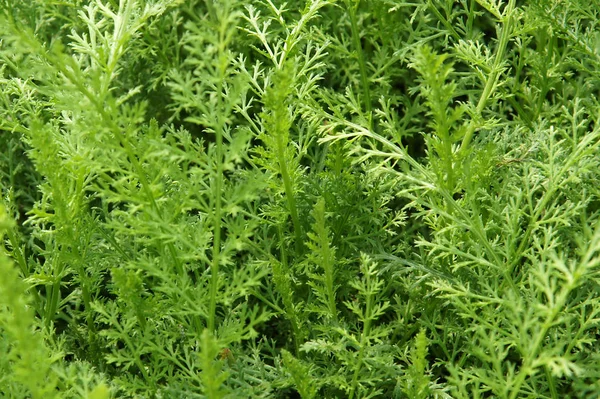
548	45
50	309
85	292
527	370
19	257
218	187
585	147
493	76
216	250
447	24
328	257
289	192
551	383
137	360
286	294
331	294
212	12
363	343
361	59
448	157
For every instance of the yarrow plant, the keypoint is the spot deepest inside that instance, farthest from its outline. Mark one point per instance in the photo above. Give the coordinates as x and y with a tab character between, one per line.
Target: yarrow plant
318	199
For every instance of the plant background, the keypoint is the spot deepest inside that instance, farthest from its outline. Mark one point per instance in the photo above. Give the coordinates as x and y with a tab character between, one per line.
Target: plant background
320	199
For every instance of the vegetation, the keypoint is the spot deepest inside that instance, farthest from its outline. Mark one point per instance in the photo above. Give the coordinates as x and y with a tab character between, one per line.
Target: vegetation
315	199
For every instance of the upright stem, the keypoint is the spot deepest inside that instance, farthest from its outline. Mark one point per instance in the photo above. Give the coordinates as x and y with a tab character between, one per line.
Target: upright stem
361	59
363	342
218	187
493	76
216	250
85	291
286	293
289	193
19	257
211	10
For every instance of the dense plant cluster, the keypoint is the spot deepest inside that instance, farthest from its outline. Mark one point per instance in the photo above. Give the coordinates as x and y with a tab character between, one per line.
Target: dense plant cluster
312	199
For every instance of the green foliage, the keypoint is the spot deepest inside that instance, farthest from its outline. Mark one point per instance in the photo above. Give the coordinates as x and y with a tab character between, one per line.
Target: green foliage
301	375
29	360
439	96
416	385
351	199
323	283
